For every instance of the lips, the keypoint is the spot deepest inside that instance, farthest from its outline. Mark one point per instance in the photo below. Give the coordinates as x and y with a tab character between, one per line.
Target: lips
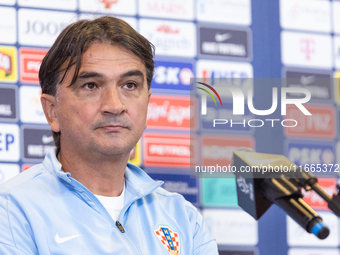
112	128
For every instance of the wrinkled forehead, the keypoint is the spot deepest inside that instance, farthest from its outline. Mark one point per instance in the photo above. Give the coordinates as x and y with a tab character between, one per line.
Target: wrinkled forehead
93	53
102	58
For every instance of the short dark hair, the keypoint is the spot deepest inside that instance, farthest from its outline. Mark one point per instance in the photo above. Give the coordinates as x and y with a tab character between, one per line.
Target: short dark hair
76	38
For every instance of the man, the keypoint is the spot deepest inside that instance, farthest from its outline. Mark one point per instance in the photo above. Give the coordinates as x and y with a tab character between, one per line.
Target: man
85	198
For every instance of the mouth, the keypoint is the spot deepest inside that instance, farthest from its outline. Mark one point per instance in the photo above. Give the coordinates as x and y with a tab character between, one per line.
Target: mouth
112	128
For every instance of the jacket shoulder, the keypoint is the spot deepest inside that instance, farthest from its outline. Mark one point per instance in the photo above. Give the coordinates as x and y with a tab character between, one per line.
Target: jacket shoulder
23	178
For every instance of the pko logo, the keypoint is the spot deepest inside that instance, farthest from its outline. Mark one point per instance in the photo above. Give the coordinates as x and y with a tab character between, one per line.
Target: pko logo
238	99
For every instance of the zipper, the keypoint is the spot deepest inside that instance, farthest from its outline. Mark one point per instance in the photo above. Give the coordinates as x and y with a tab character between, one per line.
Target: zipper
120	226
122	230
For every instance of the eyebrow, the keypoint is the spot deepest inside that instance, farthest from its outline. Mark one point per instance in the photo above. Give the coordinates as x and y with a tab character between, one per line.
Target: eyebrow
133	73
86	75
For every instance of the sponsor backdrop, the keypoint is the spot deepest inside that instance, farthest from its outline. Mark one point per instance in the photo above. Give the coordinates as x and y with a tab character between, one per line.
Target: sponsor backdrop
211	39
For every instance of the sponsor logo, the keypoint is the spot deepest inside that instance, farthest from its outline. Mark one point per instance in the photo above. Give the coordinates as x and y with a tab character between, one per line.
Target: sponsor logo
166	29
310	50
219	150
297	236
320	124
8	98
317	83
126	7
171	38
30	61
304	152
8	25
8	171
50	4
180	183
30	108
169	239
307	47
336	18
337	87
172	75
314	251
37	142
41	28
226	43
64	239
168	150
108	3
213	192
226	11
24	167
306	15
223	72
47	139
171	112
222	37
9	142
8	2
172	9
8	64
242	228
314	200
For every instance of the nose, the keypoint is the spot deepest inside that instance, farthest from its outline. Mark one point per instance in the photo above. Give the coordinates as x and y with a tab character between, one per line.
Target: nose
111	101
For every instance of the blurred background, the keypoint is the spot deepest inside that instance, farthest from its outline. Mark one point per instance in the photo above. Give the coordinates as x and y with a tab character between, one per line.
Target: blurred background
260	44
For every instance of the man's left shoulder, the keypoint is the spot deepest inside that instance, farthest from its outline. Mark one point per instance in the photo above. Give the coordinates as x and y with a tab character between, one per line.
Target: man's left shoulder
173	198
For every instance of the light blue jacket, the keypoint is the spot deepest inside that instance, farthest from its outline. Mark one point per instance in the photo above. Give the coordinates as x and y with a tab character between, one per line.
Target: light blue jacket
45	211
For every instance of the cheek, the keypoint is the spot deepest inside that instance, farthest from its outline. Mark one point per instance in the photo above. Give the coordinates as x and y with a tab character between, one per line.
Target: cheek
139	112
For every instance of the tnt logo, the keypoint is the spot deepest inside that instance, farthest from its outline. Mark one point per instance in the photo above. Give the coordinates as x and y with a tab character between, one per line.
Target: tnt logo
9	142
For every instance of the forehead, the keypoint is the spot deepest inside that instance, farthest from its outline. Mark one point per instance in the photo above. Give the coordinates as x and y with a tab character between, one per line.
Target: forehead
103	55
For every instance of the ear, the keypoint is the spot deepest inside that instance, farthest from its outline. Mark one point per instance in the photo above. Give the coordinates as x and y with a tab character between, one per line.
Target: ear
48	103
149	95
150	92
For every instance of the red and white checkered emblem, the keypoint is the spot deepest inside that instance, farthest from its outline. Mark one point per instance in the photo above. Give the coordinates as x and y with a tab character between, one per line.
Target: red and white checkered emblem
108	3
169	239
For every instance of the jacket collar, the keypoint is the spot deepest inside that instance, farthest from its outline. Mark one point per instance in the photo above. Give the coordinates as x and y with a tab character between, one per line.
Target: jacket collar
137	181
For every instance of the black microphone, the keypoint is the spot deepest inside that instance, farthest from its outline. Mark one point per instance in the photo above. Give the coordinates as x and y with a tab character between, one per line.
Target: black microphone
263	179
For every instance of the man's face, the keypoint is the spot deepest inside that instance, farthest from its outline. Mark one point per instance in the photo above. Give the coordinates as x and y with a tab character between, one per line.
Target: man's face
104	111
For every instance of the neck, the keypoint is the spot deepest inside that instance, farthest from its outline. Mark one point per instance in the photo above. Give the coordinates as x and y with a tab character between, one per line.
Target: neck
102	175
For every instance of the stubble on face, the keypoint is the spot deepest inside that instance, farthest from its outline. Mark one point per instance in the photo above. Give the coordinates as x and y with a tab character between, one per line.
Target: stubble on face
104	111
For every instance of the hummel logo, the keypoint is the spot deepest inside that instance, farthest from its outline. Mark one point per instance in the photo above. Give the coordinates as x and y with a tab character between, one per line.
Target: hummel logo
64	239
222	37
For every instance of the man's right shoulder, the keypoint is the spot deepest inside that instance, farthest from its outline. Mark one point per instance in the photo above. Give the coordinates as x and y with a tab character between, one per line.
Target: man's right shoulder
24	179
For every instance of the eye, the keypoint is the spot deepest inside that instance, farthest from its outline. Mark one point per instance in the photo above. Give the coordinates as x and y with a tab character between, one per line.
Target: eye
90	86
130	85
